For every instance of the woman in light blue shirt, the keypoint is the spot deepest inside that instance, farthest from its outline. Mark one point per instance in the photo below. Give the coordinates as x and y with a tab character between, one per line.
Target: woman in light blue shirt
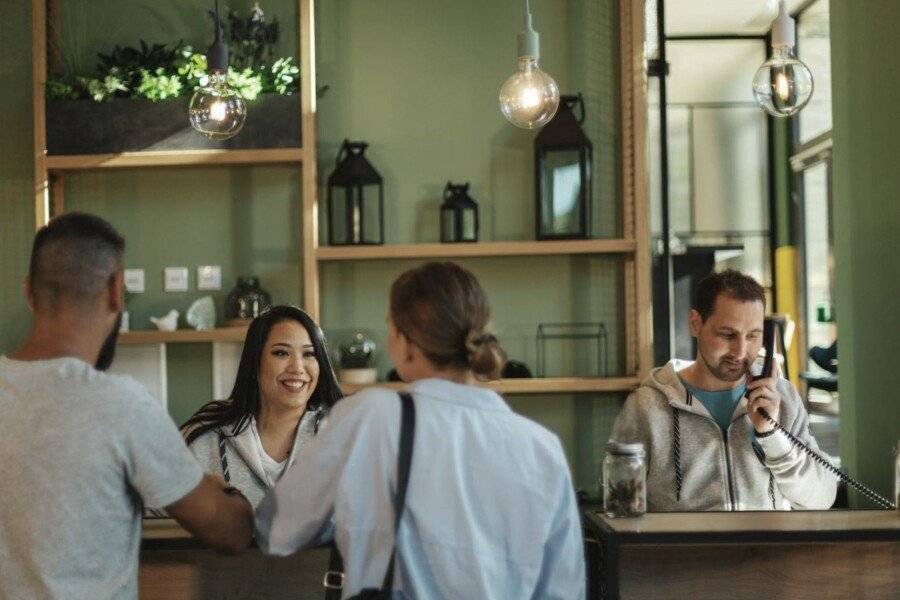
490	510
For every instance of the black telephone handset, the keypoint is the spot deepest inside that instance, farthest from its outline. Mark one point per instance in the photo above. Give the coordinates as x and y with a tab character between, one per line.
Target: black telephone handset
769	326
769	347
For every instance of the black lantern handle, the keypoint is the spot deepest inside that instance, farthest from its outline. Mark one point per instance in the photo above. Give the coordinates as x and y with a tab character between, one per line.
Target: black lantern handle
452	189
349	147
571	101
580	102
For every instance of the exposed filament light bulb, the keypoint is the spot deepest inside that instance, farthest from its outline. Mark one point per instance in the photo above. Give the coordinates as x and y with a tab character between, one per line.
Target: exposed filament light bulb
783	85
530	97
216	110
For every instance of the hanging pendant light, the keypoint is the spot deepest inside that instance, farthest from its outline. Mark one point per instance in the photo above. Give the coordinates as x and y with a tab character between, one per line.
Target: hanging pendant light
783	84
216	110
530	97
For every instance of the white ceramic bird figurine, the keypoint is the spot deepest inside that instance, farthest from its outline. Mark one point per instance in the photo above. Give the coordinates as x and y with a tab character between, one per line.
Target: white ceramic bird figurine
168	322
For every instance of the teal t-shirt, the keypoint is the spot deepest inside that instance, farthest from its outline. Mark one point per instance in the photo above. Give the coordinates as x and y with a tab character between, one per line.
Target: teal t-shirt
721	404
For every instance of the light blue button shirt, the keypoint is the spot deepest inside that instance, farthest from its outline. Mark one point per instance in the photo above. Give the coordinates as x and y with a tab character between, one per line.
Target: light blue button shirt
490	509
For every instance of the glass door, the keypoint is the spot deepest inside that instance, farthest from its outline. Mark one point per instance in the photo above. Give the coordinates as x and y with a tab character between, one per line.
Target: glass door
816	246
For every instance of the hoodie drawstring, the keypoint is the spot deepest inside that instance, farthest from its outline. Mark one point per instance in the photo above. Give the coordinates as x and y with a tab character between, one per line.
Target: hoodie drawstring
223	458
676	453
772	490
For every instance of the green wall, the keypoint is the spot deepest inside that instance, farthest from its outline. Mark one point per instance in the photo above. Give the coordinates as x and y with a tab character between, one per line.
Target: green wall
16	168
866	221
426	101
418	80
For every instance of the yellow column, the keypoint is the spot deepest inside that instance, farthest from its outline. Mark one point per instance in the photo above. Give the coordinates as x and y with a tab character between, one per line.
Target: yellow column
787	279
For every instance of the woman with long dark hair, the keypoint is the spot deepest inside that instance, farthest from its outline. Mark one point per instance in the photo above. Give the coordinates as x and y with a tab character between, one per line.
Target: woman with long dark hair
284	388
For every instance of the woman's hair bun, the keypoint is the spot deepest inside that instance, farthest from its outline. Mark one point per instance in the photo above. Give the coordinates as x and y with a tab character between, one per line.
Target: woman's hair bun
441	308
484	354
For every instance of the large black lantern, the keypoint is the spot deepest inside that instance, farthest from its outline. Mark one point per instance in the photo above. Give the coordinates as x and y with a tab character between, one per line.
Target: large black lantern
355	199
563	157
459	215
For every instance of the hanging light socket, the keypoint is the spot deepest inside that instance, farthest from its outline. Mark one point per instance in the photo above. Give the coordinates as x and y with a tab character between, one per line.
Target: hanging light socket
216	110
783	85
217	55
530	97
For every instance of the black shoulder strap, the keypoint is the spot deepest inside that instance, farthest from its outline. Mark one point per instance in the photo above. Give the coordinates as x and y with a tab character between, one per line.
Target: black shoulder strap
404	460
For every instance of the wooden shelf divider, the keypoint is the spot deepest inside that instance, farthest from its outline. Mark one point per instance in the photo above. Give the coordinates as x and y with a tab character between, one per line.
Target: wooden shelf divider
220	334
526	248
172	158
540	385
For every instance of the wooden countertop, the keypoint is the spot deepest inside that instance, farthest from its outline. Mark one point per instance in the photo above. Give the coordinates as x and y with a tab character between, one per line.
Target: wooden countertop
163	529
775	526
166	534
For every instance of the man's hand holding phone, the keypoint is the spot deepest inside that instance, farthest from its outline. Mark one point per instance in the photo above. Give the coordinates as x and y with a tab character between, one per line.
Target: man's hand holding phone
763	393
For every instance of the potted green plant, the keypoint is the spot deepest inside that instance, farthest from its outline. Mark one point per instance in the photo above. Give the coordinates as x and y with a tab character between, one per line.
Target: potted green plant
138	96
357	359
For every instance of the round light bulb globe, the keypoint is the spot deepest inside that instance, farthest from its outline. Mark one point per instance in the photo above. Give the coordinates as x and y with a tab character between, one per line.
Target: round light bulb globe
530	97
217	111
783	85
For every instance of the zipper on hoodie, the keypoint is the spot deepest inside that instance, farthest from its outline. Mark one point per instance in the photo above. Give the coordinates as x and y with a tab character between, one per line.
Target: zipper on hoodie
728	468
731	506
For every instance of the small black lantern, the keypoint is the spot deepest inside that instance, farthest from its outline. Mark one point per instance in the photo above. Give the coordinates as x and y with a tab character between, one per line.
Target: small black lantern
355	199
459	215
563	160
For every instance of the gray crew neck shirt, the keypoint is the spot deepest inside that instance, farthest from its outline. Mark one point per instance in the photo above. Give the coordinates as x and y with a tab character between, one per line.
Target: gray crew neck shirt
81	451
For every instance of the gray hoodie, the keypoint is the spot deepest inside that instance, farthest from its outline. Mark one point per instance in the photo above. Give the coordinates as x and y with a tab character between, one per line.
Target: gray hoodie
694	465
242	452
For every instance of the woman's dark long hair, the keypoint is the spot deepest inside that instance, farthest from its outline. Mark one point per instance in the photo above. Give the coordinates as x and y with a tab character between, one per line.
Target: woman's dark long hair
244	400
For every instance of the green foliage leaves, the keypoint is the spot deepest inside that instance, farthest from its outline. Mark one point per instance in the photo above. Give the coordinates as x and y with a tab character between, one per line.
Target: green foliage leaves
283	76
158	85
246	83
158	72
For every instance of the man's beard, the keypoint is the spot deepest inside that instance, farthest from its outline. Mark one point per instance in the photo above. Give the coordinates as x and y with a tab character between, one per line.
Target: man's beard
724	372
108	350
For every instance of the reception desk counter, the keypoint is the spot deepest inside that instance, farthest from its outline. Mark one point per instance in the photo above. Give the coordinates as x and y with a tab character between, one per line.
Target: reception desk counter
853	555
754	555
175	565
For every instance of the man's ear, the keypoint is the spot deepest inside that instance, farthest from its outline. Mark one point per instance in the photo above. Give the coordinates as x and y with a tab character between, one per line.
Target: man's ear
116	291
696	322
29	292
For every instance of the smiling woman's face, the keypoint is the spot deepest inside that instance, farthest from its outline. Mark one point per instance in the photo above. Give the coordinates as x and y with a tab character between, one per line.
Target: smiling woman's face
288	369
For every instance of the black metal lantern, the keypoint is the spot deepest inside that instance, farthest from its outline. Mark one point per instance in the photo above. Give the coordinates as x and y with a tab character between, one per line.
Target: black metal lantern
355	199
563	159
459	215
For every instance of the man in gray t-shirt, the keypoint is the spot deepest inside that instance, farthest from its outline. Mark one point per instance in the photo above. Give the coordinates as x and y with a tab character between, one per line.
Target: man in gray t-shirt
83	451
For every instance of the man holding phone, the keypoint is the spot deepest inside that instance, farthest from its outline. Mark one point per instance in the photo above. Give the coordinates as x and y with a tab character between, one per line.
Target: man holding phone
708	447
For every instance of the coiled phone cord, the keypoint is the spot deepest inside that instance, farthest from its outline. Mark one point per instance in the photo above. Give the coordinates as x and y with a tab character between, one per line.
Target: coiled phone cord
868	493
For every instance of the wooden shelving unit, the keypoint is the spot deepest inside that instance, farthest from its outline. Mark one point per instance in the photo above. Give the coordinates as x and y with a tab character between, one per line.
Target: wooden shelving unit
220	334
543	385
480	249
173	158
50	171
632	248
